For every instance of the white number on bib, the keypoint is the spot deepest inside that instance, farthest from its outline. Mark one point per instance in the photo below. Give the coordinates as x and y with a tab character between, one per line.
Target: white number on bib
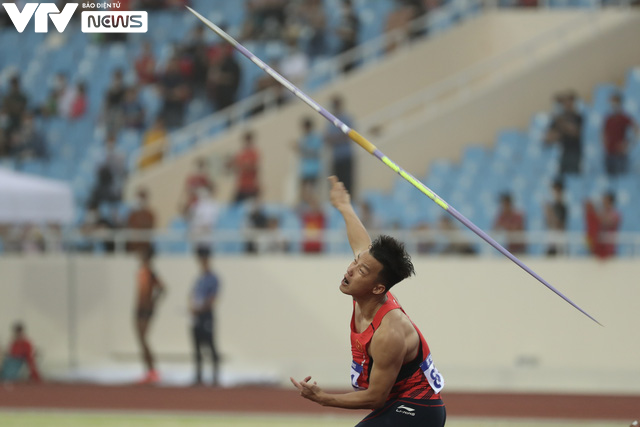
356	370
433	376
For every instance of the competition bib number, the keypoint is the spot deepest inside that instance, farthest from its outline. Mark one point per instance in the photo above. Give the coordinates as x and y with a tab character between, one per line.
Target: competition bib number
356	370
436	381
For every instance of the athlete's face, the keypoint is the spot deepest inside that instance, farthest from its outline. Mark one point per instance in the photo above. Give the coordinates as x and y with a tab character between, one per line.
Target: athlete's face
362	275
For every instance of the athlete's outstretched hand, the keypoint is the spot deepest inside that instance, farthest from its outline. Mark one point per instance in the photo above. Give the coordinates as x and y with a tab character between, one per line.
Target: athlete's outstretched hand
308	390
339	195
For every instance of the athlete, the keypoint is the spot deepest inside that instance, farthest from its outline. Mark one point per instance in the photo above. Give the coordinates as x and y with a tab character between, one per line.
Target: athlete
392	370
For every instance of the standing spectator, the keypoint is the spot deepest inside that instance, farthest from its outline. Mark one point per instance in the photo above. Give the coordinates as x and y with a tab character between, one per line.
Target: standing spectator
175	93
223	78
199	178
154	142
347	31
342	152
149	289
141	218
14	105
556	215
309	148
145	65
246	166
601	226
202	303
133	110
202	218
64	95
510	221
313	225
315	23
79	102
257	221
566	130
196	50
294	66
113	102
21	352
615	137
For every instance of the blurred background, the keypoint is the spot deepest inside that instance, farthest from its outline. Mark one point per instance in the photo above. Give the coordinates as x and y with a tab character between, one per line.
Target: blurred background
169	154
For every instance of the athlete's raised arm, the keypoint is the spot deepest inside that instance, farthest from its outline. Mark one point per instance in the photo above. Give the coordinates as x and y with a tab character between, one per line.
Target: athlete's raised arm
341	200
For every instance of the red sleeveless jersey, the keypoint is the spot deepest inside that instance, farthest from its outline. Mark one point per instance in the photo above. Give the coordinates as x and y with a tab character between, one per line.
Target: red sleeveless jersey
417	379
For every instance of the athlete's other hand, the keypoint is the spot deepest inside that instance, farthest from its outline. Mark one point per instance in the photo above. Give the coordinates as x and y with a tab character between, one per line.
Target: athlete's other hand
308	390
338	195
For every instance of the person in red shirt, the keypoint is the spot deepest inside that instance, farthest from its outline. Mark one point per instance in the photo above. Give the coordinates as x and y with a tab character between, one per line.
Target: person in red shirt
601	225
246	165
510	221
392	370
20	352
196	180
145	65
141	218
615	137
313	225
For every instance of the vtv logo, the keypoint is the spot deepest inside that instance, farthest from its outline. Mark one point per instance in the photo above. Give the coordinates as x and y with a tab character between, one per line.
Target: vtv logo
44	11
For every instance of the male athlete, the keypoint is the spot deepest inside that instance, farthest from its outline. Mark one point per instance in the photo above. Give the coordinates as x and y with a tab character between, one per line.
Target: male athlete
392	369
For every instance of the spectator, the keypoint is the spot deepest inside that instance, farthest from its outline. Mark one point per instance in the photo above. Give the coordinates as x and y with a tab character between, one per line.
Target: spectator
369	219
601	226
196	50
64	95
510	221
556	215
265	19
294	66
246	165
29	141
223	78
264	83
347	32
141	218
96	231
116	163
615	137
14	105
309	148
257	221
202	219
79	102
315	24
154	142
566	130
113	102
175	93
21	353
145	64
424	246
149	289
342	152
313	225
132	110
399	20
454	242
196	180
202	306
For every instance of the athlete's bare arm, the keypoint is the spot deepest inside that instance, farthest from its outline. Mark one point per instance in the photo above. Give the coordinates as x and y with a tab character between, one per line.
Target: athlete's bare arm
389	349
340	199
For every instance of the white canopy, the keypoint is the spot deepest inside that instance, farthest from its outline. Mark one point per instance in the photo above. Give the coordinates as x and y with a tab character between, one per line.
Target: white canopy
32	199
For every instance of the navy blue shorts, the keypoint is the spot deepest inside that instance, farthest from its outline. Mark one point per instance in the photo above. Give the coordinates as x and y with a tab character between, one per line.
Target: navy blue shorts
407	413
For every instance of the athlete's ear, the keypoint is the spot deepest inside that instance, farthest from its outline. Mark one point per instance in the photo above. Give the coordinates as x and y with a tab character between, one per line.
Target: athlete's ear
379	289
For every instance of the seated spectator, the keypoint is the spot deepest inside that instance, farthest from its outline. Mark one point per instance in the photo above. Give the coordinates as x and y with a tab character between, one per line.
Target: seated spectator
309	149
29	142
510	221
314	23
454	242
265	19
347	32
132	110
602	224
79	102
111	176
175	93
196	50
96	231
566	131
615	137
246	165
294	66
113	114
556	215
154	142
145	64
257	220
398	21
424	245
223	78
313	225
141	218
14	106
196	180
21	353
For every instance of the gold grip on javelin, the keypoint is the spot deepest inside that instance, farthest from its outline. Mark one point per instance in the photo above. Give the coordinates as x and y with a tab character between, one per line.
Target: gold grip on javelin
361	141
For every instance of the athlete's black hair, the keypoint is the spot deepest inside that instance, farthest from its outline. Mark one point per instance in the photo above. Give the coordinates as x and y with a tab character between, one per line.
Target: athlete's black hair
396	262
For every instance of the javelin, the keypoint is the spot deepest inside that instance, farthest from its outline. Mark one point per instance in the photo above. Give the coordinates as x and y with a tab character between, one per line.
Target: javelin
364	143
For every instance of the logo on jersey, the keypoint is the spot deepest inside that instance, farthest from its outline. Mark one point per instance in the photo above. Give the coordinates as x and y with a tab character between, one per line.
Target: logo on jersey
406	410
